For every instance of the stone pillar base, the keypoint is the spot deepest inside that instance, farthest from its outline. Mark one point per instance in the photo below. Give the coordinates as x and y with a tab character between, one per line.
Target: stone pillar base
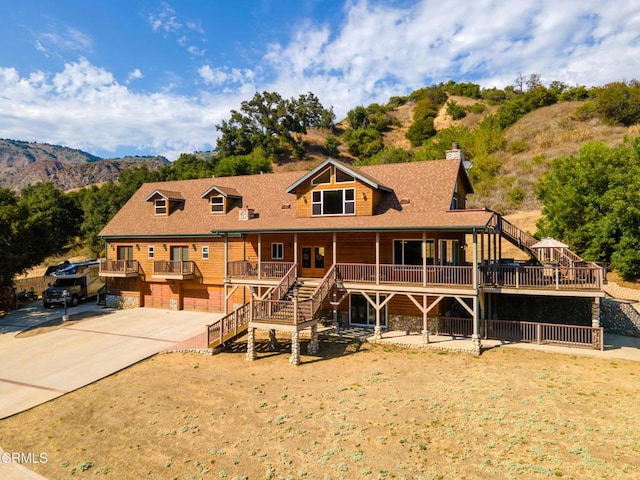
477	344
425	338
251	345
295	349
377	334
313	348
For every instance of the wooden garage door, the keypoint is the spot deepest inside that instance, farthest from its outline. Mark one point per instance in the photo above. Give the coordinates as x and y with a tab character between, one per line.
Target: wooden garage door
157	295
200	298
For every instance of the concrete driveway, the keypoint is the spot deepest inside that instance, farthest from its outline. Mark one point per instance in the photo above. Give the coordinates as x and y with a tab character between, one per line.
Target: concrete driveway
95	343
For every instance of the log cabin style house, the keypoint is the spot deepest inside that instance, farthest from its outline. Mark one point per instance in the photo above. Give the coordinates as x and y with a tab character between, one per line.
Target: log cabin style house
390	247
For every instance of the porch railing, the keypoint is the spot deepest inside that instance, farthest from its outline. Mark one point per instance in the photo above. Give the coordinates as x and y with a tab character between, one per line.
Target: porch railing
527	332
173	267
244	268
545	277
119	266
228	326
320	293
406	274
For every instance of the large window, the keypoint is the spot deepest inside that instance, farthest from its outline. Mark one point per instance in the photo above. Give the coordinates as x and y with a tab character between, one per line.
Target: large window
363	313
334	202
409	252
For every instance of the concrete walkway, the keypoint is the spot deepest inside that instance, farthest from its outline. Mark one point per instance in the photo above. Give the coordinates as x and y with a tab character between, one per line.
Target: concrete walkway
95	343
615	346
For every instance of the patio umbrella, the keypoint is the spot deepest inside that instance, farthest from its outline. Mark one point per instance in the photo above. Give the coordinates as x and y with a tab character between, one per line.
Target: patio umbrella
548	246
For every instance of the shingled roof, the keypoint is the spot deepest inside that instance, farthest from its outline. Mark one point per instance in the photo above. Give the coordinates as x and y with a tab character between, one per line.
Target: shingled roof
428	187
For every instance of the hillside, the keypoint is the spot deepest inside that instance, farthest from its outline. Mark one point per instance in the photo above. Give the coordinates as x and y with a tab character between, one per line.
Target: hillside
531	143
25	163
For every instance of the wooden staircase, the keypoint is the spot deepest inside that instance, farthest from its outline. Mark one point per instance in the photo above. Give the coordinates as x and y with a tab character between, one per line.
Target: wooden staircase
524	241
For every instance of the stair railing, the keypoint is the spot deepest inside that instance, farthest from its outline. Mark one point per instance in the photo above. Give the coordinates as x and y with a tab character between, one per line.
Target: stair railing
323	289
285	284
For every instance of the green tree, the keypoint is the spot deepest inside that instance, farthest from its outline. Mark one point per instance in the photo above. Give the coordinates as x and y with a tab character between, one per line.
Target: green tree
186	167
592	202
270	122
53	217
254	163
619	102
363	142
100	205
17	241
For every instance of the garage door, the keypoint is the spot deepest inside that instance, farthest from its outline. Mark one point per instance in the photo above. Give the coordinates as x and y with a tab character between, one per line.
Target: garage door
200	298
157	295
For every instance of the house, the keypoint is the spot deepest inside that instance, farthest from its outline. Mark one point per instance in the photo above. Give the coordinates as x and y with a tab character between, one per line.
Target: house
386	246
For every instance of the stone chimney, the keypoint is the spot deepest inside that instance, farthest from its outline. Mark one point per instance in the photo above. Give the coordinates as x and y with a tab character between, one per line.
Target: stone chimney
246	213
455	153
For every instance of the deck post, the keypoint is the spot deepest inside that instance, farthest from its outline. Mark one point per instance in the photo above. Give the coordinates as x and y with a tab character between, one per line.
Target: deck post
377	331
295	348
313	348
334	307
425	321
598	342
475	338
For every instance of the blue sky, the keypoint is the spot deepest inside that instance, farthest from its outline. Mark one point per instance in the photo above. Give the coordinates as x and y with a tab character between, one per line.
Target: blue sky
127	77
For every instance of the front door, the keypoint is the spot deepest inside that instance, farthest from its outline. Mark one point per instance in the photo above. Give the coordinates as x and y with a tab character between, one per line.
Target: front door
179	254
312	261
124	252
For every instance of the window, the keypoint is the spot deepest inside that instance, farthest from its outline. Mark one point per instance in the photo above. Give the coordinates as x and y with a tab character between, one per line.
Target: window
124	252
217	204
324	177
449	252
409	252
361	312
161	206
454	203
342	177
205	253
277	251
151	251
334	202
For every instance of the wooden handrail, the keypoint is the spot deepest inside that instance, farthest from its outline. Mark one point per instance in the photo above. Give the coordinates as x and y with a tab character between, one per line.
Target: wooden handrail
285	284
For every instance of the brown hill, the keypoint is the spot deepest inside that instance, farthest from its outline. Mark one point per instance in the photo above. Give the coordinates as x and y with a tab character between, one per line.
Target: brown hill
25	163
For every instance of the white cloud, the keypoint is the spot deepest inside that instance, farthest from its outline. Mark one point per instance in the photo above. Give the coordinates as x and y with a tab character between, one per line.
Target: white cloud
84	107
376	52
136	74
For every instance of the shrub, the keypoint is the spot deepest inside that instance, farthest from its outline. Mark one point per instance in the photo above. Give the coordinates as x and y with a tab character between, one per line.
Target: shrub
332	143
420	131
477	107
518	146
455	110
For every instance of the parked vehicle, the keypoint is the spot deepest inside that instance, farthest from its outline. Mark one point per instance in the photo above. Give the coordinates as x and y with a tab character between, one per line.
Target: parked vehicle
72	282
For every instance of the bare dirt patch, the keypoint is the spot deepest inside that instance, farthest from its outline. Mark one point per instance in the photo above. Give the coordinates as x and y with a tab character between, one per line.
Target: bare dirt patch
367	411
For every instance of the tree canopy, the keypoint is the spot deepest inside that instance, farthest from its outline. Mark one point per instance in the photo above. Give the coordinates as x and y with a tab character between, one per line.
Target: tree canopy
592	201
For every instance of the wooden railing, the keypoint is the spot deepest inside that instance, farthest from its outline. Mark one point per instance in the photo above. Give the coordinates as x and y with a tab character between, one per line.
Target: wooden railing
548	278
321	292
527	332
228	327
119	266
276	311
406	274
173	267
285	284
244	268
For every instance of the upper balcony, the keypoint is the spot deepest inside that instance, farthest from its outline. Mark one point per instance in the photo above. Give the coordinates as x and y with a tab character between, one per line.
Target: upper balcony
173	269
119	268
512	276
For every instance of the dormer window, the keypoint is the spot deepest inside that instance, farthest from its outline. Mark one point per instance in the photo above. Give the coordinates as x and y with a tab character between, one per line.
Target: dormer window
217	204
334	202
454	203
161	206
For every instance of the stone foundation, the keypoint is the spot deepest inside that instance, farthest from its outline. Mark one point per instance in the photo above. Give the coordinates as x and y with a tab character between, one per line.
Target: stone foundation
122	302
619	318
403	323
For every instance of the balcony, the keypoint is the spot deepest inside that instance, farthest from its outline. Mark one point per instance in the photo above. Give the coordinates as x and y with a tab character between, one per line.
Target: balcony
119	268
265	270
173	270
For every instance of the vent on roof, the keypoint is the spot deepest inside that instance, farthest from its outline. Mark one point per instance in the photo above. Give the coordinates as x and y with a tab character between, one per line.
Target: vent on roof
246	213
286	206
405	201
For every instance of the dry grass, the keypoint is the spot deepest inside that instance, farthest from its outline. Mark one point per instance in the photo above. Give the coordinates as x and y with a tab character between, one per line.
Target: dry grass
370	412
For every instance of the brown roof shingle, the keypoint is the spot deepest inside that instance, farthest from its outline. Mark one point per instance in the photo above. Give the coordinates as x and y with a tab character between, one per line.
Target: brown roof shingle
428	185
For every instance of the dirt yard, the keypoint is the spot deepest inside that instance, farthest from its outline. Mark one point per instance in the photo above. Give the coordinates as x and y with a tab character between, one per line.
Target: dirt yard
368	411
